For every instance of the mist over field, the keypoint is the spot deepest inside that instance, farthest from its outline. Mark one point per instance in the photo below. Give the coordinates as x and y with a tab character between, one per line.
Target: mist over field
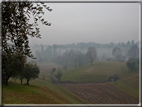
88	53
50	53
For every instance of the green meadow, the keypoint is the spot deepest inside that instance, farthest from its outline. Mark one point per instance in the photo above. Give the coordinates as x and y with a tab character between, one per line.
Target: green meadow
44	92
101	71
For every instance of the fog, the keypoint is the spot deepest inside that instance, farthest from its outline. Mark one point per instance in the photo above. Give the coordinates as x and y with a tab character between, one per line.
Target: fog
77	26
89	22
76	55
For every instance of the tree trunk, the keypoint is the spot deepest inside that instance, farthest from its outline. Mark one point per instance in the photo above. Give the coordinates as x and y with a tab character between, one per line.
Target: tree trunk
21	81
28	81
6	80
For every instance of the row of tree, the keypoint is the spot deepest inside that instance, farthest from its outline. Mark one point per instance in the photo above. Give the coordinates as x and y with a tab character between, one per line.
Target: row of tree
77	58
83	45
47	54
18	67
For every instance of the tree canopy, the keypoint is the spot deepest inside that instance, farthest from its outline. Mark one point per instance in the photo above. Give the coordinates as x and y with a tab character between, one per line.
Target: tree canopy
31	70
16	28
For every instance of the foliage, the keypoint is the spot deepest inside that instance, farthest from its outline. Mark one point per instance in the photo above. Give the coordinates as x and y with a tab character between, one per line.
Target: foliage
131	64
115	77
53	70
13	67
16	29
31	70
91	54
58	75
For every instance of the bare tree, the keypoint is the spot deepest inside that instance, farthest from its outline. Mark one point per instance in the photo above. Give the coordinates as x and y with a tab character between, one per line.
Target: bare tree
117	53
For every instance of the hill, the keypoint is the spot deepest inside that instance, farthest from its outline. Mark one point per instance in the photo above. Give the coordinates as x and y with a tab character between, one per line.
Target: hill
101	71
38	92
44	92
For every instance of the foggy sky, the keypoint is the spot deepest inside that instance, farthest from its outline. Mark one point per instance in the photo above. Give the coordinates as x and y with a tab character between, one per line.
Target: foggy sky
90	22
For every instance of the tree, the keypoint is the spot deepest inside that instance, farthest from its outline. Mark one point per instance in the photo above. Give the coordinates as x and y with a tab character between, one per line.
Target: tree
53	70
117	53
31	70
58	75
16	29
133	52
91	54
14	65
128	43
131	64
20	72
115	77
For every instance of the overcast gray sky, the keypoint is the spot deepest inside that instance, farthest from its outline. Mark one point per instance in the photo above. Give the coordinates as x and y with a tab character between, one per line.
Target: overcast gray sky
90	22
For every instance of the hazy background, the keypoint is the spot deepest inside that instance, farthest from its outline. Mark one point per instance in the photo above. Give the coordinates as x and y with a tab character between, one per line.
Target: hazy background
90	22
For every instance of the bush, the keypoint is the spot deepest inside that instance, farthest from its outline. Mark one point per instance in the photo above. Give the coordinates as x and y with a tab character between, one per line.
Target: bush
58	75
131	64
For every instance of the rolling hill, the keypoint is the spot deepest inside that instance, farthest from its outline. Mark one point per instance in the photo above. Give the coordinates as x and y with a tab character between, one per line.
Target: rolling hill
44	92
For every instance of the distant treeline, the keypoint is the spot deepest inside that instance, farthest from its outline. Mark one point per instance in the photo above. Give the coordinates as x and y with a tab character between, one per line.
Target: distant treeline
77	54
83	45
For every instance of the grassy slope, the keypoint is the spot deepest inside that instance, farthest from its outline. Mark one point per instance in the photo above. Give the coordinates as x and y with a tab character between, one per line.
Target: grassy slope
38	92
101	71
41	91
58	89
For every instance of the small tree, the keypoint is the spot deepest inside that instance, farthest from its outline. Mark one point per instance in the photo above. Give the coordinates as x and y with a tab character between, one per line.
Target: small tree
115	77
13	67
53	70
131	64
58	75
31	70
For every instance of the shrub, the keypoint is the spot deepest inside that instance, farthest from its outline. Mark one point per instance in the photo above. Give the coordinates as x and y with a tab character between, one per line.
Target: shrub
131	64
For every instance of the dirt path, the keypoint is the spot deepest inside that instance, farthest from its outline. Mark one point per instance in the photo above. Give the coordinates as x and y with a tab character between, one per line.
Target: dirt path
99	93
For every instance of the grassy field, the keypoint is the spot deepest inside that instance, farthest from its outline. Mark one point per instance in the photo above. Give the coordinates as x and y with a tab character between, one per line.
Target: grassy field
97	72
38	92
43	92
101	71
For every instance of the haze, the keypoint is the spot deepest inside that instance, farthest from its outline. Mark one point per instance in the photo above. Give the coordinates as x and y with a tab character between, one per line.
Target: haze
90	22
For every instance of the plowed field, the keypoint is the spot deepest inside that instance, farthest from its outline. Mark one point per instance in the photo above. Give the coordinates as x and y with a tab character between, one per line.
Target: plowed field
99	93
